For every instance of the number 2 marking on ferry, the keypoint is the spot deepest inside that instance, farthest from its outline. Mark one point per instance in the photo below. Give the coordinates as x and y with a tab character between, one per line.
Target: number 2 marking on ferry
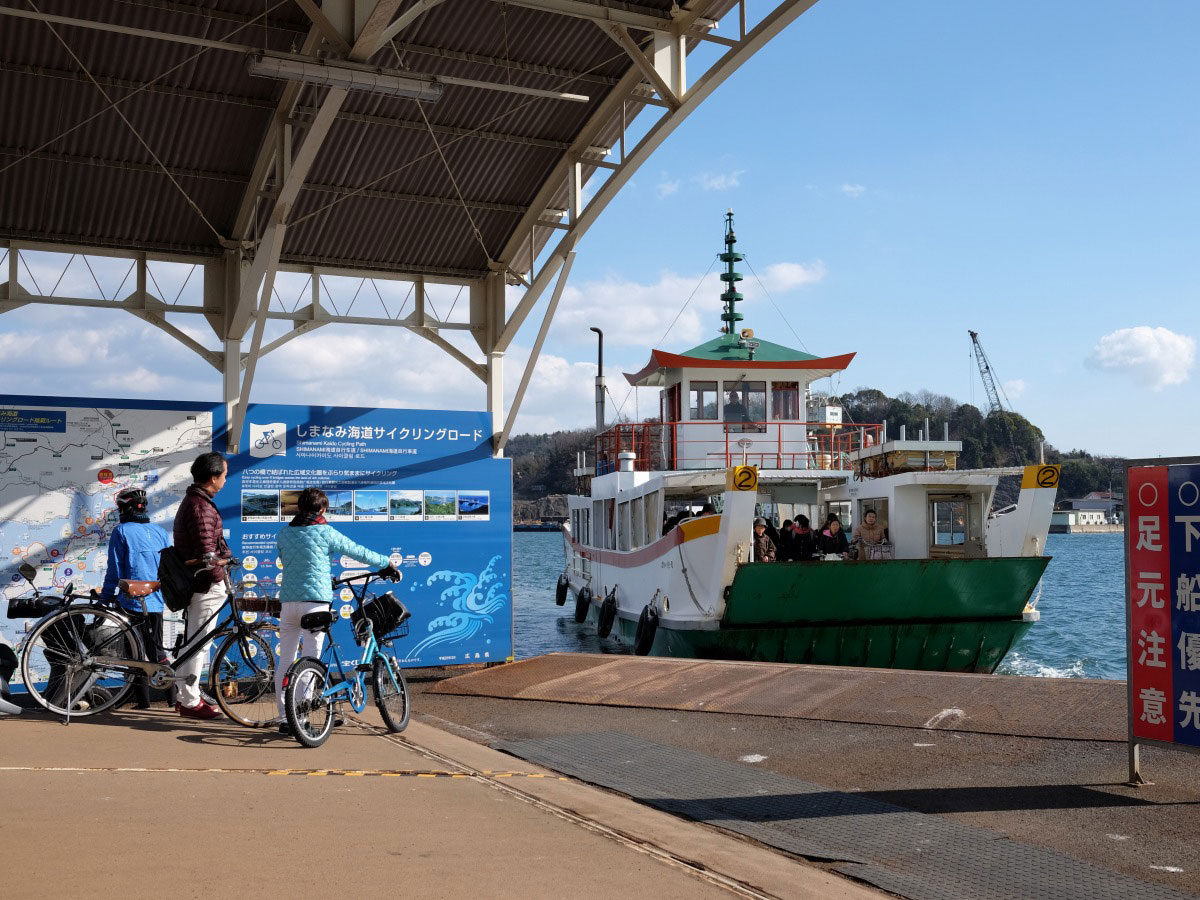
746	479
1047	476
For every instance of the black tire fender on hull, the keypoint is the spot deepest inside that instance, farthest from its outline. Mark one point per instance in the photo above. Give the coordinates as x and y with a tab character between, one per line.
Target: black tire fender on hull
560	590
647	625
608	614
583	602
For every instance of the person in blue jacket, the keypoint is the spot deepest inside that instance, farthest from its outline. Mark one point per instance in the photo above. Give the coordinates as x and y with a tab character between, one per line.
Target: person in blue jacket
306	545
133	551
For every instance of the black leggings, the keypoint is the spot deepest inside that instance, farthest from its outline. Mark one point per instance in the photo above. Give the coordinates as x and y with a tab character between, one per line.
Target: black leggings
150	627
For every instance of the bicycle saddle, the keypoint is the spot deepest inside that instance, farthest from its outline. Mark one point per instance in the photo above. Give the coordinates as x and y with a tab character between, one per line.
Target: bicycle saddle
317	621
137	588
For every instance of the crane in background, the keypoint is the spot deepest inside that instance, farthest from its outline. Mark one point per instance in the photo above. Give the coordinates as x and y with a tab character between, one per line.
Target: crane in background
987	373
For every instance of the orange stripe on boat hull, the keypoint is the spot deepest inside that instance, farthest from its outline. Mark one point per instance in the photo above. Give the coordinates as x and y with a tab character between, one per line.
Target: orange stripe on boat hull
689	530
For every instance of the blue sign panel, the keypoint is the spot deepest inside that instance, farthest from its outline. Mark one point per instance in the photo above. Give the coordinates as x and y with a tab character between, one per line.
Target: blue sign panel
418	486
34	420
1183	516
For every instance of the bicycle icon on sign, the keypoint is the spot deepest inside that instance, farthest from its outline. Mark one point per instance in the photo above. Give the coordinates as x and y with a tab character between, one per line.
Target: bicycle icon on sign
268	439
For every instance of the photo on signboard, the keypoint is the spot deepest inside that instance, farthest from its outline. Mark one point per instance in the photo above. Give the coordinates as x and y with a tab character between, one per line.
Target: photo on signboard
370	506
440	506
289	505
407	506
341	506
473	505
260	506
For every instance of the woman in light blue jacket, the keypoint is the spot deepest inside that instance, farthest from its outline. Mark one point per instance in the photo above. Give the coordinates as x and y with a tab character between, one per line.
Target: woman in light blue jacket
306	545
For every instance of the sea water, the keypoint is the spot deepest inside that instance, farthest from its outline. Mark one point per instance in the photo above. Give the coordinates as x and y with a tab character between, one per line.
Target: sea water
1081	634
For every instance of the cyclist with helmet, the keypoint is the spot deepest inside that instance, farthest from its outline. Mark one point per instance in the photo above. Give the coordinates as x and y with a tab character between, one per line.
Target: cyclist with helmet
133	551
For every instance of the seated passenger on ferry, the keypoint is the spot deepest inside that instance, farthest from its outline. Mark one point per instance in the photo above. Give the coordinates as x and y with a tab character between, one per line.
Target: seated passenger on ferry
764	547
832	540
870	531
707	510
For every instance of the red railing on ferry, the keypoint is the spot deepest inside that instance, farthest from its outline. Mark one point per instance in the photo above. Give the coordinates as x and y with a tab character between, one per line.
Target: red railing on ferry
710	445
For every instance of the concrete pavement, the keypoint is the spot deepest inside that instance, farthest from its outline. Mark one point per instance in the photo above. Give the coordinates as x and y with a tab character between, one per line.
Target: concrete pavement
141	804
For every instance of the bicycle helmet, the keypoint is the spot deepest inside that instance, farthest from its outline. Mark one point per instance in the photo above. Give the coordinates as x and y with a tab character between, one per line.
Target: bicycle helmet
132	501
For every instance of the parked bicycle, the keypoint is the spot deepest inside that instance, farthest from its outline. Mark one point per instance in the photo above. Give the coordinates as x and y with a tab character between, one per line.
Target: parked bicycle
83	654
312	696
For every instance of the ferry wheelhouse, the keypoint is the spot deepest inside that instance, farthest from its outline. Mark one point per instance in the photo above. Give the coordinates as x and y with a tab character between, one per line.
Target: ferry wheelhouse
660	539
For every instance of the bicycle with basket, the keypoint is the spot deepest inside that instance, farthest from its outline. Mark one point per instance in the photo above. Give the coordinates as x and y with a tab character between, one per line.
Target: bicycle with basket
315	688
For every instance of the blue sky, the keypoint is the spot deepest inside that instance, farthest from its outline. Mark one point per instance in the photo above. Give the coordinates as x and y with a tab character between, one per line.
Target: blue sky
900	172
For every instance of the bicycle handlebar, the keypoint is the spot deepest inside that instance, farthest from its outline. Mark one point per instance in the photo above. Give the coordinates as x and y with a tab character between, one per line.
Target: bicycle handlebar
365	576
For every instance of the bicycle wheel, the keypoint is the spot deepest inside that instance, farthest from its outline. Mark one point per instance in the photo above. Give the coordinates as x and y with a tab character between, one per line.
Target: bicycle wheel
242	676
59	666
309	713
391	693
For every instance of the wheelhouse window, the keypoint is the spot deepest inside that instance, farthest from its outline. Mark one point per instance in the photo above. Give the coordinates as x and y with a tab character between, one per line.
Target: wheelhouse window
950	520
785	401
745	406
703	400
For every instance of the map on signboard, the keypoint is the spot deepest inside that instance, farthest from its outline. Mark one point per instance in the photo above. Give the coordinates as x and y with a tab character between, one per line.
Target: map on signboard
60	470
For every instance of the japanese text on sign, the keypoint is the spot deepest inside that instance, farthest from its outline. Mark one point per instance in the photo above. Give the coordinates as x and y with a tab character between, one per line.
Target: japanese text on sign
1164	602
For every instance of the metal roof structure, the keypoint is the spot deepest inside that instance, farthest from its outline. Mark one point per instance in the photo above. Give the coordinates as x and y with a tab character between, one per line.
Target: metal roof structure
249	137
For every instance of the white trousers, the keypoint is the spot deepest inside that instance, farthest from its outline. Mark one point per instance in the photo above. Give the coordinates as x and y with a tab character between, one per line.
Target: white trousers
290	637
200	608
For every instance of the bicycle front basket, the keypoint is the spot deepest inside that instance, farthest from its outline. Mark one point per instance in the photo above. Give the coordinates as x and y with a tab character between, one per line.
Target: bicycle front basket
33	607
385	613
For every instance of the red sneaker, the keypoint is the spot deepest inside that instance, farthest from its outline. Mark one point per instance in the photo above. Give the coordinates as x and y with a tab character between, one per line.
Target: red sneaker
201	710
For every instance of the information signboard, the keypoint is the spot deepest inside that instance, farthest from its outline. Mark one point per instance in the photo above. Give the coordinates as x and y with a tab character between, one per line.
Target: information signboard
1162	532
419	486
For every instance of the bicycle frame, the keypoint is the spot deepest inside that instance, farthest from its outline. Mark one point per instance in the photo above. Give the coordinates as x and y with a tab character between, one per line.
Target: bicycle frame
159	675
346	690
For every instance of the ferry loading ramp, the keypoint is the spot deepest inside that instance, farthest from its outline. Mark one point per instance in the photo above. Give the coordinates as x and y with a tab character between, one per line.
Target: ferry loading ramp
235	138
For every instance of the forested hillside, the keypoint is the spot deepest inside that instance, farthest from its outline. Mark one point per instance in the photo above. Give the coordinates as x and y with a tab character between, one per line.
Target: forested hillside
542	463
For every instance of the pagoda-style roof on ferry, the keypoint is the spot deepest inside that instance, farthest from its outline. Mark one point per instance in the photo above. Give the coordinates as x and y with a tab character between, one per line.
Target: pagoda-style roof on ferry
724	352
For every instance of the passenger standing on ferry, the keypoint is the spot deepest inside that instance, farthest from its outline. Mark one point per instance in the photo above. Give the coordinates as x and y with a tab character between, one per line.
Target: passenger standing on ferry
783	549
870	531
804	540
833	540
764	547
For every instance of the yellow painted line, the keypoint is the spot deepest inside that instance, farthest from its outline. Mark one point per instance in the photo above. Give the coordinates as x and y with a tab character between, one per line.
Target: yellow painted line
307	773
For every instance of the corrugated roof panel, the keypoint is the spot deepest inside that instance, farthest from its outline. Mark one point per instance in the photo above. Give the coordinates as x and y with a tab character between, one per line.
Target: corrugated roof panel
204	117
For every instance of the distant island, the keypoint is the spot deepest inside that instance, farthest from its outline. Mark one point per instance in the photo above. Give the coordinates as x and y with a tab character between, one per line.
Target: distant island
542	463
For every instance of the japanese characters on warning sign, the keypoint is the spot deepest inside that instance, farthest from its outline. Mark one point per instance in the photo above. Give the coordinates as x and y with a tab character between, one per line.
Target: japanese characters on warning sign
1163	509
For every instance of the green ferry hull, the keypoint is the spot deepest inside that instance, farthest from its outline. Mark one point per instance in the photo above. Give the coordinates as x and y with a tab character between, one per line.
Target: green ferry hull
959	615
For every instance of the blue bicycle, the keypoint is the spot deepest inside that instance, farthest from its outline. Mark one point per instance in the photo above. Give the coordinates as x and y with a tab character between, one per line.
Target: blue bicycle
311	695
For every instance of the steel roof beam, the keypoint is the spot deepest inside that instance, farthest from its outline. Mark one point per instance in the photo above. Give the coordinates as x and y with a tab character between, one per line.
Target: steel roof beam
729	62
127	30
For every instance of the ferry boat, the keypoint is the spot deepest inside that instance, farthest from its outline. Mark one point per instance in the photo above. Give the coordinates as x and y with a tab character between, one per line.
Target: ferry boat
659	543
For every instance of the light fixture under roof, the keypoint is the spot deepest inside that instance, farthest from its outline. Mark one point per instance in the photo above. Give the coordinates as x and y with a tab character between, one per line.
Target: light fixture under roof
379	80
342	75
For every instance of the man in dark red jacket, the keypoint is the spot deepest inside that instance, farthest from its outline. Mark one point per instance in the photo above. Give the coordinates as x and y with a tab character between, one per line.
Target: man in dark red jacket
199	532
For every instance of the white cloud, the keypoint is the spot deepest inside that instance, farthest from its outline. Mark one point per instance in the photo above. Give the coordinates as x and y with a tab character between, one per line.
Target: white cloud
1154	357
667	188
721	181
1015	388
781	277
853	190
